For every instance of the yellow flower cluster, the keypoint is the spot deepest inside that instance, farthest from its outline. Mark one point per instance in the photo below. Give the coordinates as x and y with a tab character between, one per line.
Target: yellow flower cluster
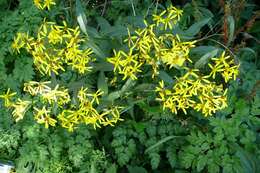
57	95
226	67
42	4
42	116
19	107
168	18
148	47
196	91
88	110
55	46
7	97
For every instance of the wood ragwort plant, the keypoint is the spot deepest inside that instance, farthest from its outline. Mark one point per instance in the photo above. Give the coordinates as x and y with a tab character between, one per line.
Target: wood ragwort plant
85	91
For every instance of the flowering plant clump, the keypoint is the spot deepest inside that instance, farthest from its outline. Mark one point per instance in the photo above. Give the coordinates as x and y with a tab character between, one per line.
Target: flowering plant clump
53	105
192	90
148	46
55	46
154	46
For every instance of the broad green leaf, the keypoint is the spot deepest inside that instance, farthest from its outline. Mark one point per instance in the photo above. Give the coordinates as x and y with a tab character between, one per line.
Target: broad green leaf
81	17
205	58
166	77
150	109
103	24
143	86
116	31
247	163
231	28
247	53
102	84
90	44
129	84
201	50
102	66
195	28
92	32
113	96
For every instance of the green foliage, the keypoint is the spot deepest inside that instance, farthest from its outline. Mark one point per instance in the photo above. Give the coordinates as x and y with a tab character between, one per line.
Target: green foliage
149	139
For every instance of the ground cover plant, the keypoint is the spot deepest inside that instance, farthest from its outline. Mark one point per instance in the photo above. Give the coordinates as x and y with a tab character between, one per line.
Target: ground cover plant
129	86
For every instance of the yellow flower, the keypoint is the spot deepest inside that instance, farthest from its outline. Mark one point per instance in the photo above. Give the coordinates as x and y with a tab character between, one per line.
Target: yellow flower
168	17
54	47
116	60
35	88
55	35
48	3
65	122
95	96
42	4
7	97
226	67
230	73
42	117
82	95
215	69
56	95
20	108
193	91
19	42
38	4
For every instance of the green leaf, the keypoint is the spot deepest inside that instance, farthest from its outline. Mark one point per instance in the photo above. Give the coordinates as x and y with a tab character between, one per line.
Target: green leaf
155	160
139	126
103	24
231	28
136	169
201	50
150	109
102	84
113	96
255	28
247	162
166	77
116	31
195	28
129	84
205	58
143	86
102	66
246	53
81	17
90	44
202	161
213	168
161	142
93	168
112	169
23	70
